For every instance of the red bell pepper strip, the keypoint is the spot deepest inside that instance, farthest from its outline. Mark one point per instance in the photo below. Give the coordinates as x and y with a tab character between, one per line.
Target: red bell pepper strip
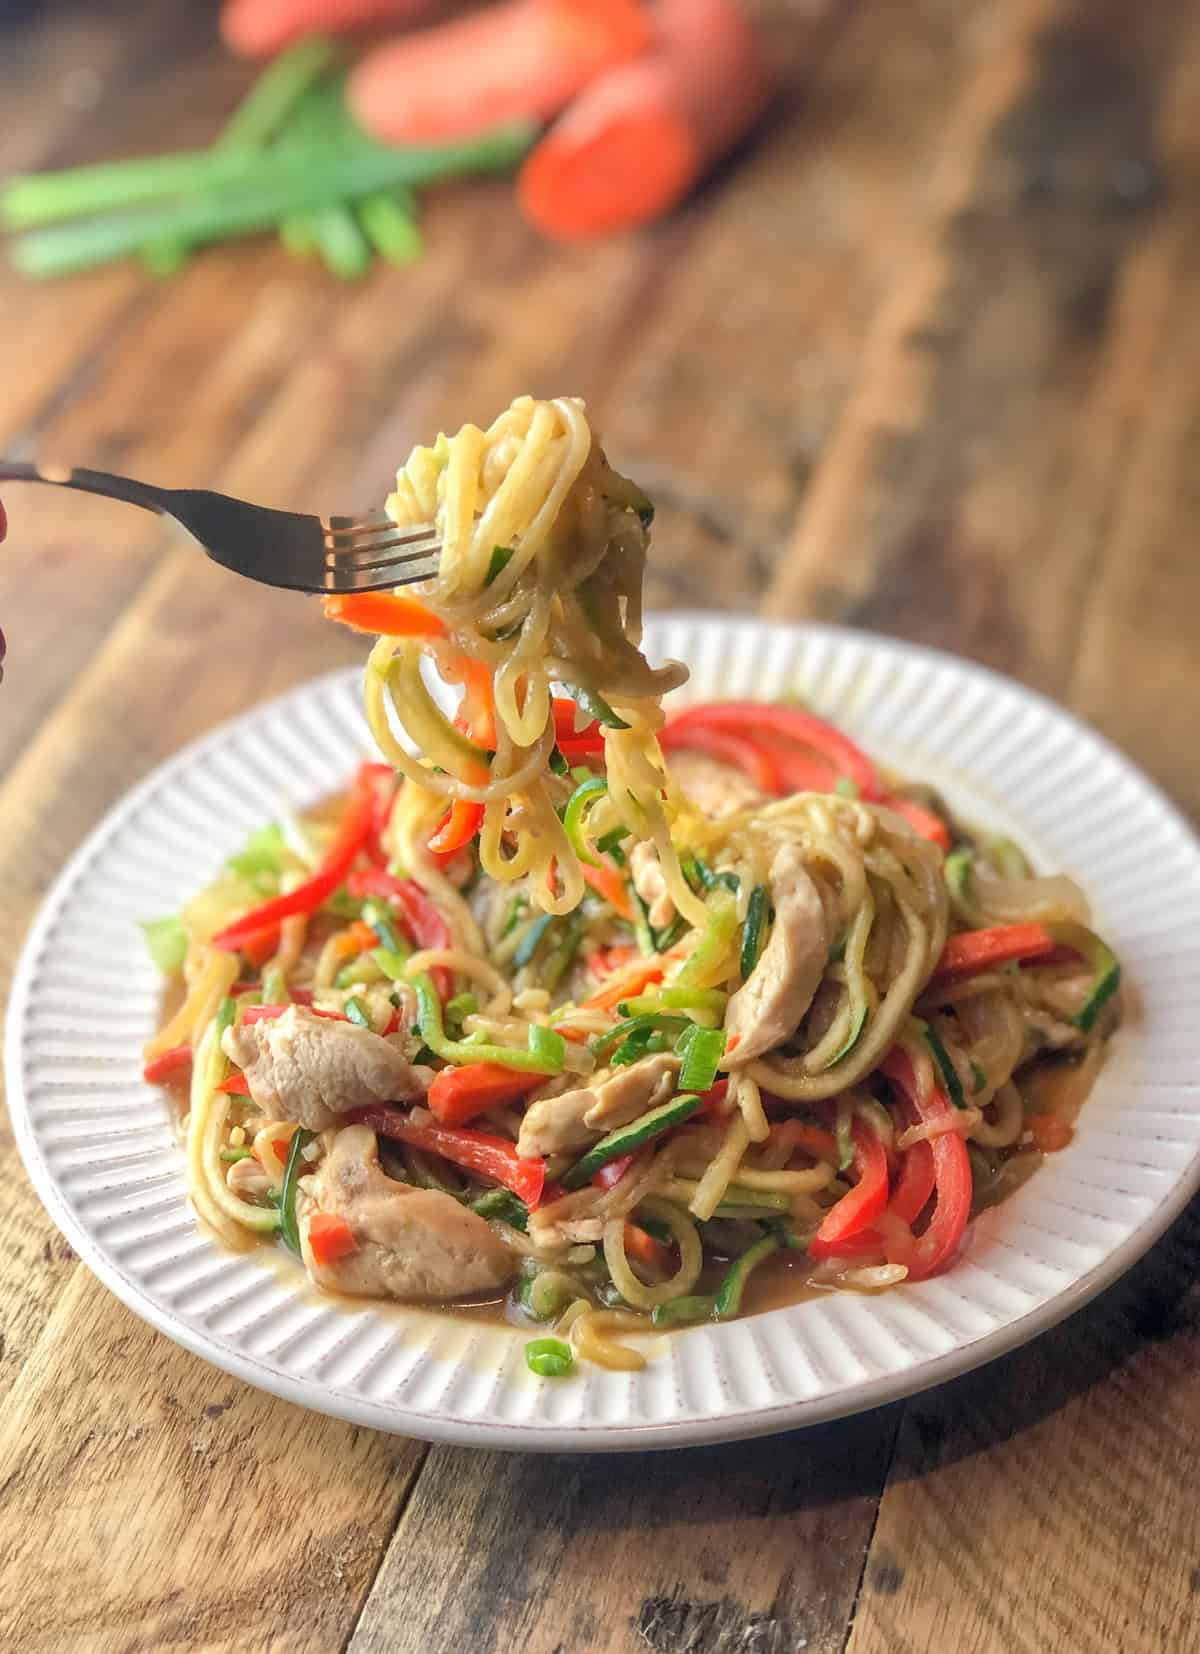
459	1094
268	1013
330	1238
477	1151
422	919
353	833
857	1210
915	1183
647	1250
747	755
381	778
752	717
923	822
602	962
951	1171
575	744
168	1065
615	1170
237	1085
261	946
980	950
458	827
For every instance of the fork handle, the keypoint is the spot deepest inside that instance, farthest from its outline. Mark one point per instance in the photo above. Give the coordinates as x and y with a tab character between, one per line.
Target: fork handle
88	482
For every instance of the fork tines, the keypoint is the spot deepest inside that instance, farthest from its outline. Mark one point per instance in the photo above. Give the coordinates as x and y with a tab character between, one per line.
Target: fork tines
364	546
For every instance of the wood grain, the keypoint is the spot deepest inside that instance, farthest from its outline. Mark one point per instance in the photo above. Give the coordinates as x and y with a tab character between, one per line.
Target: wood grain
924	359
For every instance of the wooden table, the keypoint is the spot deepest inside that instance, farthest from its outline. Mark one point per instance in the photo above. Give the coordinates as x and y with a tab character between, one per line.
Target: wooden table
928	361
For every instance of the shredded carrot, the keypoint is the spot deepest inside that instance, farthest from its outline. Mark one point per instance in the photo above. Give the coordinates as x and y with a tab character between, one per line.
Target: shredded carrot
355	939
382	613
607	882
627	984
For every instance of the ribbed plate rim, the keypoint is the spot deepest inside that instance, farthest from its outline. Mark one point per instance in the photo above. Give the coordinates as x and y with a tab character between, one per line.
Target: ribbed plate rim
529	1434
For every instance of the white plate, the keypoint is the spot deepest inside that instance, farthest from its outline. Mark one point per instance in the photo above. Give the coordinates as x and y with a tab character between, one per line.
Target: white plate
100	1150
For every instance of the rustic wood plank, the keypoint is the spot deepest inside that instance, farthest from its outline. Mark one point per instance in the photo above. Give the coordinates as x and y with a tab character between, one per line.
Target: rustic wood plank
170	1507
1076	1448
758	1546
1047	1502
980	438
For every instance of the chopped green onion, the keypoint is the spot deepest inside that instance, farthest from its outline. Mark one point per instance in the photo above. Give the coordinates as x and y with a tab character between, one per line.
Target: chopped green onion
587	794
710	952
429	1013
548	1044
276	93
501	557
462	1005
355	1011
226	1014
340	241
610	844
301	1138
218	193
262	856
701	1050
654	1022
167	943
549	1357
595	706
752	930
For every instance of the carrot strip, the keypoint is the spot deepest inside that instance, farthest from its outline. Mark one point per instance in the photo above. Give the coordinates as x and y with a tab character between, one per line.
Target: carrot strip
382	614
607	882
330	1237
980	950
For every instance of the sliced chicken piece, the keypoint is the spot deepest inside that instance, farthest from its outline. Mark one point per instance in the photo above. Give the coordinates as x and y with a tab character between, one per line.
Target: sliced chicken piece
715	788
577	1118
631	1091
310	1069
418	1245
767	1008
650	884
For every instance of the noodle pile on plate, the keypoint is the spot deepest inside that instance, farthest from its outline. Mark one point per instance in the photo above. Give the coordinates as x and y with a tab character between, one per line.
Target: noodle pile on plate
611	1017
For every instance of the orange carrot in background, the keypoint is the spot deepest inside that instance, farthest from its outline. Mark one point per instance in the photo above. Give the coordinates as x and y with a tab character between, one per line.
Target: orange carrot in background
641	136
256	28
524	59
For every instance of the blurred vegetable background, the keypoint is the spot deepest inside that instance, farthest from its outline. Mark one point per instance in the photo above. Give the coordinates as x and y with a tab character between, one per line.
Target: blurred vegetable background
609	111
